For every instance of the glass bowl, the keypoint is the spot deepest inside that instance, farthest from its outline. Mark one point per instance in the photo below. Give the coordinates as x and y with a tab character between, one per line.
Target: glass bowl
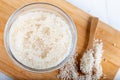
45	6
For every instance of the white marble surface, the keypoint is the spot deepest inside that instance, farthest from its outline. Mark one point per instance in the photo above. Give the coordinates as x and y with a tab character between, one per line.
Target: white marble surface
4	77
117	77
107	10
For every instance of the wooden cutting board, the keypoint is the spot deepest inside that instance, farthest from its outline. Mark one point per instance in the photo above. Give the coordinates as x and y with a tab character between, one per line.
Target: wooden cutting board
81	20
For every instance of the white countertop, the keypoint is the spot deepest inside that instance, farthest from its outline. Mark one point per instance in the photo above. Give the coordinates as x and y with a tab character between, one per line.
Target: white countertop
107	10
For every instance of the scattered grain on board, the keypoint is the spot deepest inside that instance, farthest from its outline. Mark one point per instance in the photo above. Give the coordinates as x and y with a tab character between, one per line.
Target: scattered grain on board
104	76
114	44
70	70
105	60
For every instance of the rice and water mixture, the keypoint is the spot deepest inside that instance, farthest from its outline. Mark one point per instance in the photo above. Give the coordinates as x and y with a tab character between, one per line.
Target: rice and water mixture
40	39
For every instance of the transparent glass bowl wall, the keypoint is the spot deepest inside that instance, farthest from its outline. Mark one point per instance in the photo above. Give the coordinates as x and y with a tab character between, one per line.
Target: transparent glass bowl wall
40	6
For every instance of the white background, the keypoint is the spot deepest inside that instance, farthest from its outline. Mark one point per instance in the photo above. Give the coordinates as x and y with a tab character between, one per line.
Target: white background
108	11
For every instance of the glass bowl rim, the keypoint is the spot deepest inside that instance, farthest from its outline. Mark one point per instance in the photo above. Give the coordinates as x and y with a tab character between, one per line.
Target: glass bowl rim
9	52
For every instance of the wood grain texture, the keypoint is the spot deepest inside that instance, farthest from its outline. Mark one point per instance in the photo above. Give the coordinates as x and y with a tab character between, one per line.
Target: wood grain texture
81	20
